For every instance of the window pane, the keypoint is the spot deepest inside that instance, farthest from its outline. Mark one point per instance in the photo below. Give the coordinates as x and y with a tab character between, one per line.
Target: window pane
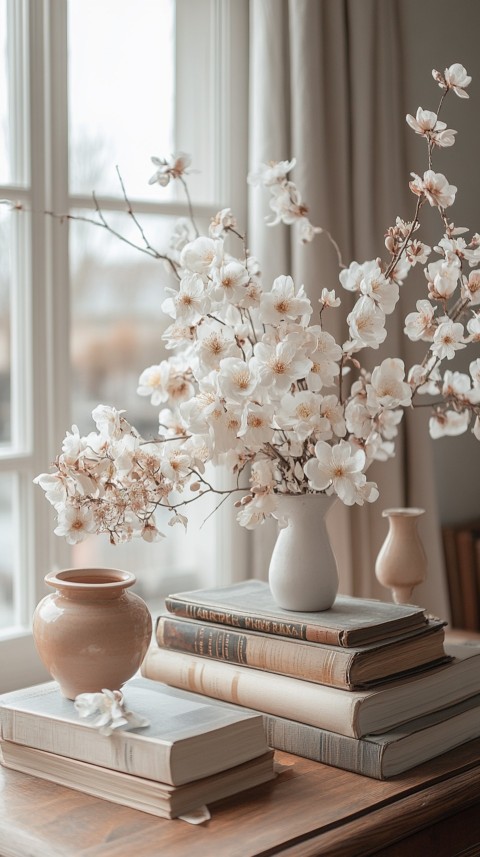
117	321
117	325
121	92
14	167
6	247
8	532
5	171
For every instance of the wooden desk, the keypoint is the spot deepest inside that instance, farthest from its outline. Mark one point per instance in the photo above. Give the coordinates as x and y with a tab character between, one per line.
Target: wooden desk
310	809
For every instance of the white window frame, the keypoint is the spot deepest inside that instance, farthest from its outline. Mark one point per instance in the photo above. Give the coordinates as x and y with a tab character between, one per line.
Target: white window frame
40	312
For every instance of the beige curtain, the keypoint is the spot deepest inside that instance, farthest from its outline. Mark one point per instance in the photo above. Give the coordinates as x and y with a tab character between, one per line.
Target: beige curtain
327	86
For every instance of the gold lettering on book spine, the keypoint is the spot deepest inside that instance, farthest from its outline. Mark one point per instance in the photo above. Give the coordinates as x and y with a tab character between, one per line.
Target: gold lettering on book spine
250	623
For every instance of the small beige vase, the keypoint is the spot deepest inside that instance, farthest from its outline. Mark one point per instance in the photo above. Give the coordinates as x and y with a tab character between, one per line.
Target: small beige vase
91	632
401	563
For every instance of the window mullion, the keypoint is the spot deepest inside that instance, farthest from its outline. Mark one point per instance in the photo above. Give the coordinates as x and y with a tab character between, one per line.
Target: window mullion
58	273
49	288
141	206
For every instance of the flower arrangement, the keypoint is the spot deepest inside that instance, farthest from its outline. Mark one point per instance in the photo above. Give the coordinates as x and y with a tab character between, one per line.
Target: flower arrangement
255	382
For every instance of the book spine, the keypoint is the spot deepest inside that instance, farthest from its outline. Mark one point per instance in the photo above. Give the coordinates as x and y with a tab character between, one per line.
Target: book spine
326	707
250	622
340	751
466	565
453	577
277	655
87	745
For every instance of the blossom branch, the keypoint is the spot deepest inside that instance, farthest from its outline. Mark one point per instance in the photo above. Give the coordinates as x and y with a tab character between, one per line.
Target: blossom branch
254	381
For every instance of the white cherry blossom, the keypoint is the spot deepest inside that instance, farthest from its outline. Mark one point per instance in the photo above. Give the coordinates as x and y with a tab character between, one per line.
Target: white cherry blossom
457	78
459	385
442	278
73	446
175	463
280	365
448	338
387	388
366	492
420	324
225	433
417	253
256	425
448	423
55	488
173	167
108	420
425	120
200	255
338	467
424	379
444	137
351	277
471	288
153	382
173	423
359	420
306	230
259	507
230	281
435	188
473	327
325	358
374	285
329	298
251	296
474	370
221	223
189	304
177	336
286	204
427	124
164	383
301	412
75	523
282	302
271	173
215	342
332	410
367	325
237	380
387	423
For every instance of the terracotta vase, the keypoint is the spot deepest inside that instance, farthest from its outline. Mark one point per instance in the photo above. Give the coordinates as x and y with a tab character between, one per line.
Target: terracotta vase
401	563
91	633
303	569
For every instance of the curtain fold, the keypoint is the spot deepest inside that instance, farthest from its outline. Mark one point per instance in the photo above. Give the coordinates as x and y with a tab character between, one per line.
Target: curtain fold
326	87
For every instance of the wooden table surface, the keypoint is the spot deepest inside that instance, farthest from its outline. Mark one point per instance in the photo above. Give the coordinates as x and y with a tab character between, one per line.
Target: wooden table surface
310	809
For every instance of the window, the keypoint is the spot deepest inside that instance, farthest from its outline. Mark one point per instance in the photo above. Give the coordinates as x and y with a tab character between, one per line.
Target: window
86	85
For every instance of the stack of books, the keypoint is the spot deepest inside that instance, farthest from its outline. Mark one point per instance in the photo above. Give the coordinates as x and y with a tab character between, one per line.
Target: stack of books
195	751
367	686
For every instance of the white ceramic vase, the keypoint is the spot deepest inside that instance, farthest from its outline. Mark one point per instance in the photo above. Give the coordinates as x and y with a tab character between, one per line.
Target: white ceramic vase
401	563
303	570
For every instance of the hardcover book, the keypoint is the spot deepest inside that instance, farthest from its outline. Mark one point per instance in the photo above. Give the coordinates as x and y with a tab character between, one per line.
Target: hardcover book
147	795
249	605
188	737
349	712
334	665
385	755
